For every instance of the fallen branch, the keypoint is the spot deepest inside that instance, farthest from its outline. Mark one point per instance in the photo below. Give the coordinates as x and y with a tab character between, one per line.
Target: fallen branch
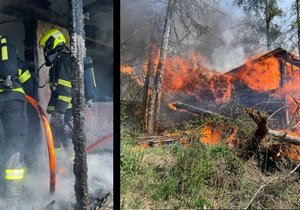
195	110
259	118
269	182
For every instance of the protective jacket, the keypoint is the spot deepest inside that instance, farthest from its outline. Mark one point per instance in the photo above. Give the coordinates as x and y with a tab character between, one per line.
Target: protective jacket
60	84
12	113
22	85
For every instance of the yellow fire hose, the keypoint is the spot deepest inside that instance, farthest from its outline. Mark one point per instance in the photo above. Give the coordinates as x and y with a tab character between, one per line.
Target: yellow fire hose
50	142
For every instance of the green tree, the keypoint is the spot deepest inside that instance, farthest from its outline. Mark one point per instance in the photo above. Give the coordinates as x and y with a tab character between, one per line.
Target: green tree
260	15
292	38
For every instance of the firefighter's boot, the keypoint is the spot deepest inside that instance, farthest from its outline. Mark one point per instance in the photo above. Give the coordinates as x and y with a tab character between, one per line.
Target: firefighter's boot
14	175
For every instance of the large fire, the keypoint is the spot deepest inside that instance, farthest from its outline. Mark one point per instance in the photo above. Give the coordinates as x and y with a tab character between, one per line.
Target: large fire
190	76
260	76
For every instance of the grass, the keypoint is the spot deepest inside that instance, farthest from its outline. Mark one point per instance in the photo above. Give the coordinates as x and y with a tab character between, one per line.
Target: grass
176	174
195	177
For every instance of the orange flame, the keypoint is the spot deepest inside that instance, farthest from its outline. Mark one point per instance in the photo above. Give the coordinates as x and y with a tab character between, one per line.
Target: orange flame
185	74
261	75
221	88
213	134
293	152
171	106
125	69
209	135
130	71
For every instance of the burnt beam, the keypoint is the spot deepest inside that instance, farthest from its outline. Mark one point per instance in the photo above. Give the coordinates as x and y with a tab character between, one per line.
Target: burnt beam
30	11
79	138
33	12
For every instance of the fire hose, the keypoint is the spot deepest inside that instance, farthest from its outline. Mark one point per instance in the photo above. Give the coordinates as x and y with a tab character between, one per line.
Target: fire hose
50	141
98	143
49	138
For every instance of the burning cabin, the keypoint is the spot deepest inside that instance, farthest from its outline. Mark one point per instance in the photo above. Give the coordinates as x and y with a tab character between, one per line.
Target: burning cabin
270	83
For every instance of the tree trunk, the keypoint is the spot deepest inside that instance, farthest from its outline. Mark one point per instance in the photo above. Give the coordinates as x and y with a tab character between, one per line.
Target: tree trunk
298	25
157	86
146	88
268	21
77	79
147	92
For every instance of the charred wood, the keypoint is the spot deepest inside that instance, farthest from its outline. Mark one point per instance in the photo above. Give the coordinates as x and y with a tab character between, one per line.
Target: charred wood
79	138
260	119
196	110
268	145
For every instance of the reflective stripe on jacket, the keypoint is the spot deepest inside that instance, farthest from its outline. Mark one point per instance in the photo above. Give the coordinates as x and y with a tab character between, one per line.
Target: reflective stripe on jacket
60	85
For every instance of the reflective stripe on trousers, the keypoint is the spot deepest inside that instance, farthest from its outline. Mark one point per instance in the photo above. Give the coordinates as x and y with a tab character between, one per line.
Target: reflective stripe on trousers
14	174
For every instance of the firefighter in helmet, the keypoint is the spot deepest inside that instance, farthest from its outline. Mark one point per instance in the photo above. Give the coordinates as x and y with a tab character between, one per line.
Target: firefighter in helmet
57	56
12	115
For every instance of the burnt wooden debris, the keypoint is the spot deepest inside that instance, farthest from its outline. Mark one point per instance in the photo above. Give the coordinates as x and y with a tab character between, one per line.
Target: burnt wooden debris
262	144
259	118
77	78
266	144
156	141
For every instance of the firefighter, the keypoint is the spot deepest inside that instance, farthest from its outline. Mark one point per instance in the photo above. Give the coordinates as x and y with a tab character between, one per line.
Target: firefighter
12	113
57	56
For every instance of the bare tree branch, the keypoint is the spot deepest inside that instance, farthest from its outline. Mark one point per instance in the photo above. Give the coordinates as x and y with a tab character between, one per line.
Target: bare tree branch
268	183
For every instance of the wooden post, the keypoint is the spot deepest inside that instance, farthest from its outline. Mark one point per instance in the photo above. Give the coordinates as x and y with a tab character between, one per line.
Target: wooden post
282	65
298	26
77	79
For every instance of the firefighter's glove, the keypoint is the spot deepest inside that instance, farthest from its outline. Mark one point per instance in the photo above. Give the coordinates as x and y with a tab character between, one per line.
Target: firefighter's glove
57	119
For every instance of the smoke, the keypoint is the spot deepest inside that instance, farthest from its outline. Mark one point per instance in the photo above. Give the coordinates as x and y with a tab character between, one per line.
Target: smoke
219	46
138	18
226	58
36	193
100	173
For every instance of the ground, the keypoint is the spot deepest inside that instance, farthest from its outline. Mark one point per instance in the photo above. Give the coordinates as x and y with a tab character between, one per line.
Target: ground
200	176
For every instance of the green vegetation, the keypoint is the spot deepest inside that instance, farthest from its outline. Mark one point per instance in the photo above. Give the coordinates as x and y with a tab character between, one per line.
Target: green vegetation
198	176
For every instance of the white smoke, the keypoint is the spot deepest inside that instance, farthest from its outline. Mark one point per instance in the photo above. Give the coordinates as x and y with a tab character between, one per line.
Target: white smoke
100	173
219	46
226	58
36	193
